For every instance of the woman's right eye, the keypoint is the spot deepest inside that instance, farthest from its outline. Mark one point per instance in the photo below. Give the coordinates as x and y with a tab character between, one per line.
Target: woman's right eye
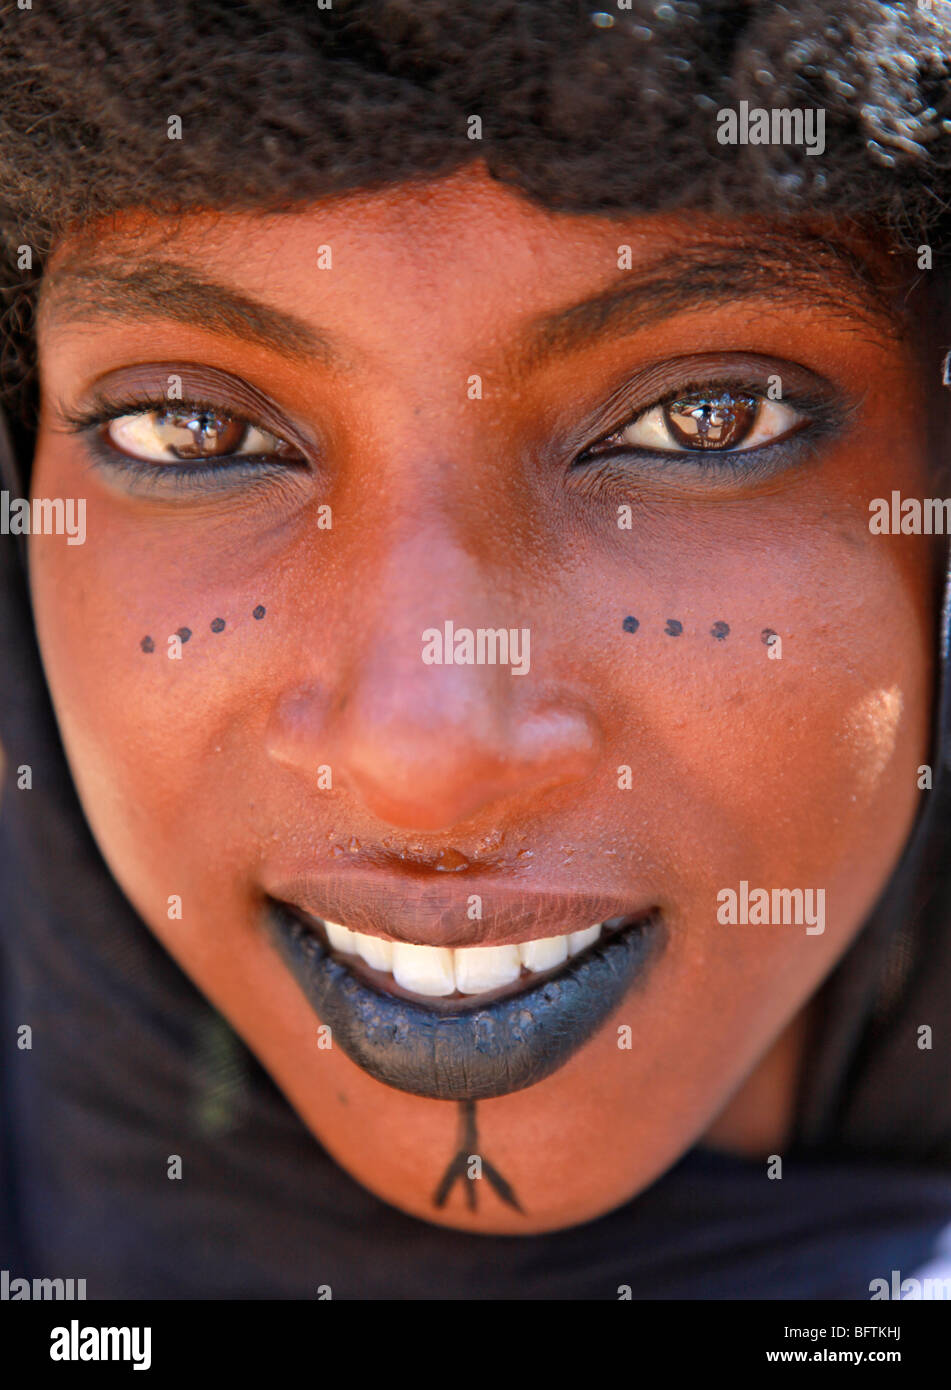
188	434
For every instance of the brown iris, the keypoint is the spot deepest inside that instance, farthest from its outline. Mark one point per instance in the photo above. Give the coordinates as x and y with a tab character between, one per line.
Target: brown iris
194	434
711	422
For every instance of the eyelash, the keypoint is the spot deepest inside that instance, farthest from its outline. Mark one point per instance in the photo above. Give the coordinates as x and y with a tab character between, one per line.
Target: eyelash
824	416
182	476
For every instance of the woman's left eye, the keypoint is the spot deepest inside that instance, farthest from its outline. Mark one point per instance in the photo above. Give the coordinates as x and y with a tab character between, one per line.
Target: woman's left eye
718	421
189	435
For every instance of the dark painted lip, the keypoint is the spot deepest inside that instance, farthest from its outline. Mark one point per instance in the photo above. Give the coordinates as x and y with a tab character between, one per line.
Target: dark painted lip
477	1050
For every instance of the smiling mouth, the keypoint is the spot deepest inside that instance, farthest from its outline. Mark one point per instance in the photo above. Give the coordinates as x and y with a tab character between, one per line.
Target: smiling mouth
467	1023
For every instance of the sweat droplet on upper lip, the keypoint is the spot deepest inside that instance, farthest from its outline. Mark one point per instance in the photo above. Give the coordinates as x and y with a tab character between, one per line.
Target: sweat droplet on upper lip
450	861
437	971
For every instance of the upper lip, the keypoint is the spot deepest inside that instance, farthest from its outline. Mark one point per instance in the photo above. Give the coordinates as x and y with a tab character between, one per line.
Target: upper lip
428	913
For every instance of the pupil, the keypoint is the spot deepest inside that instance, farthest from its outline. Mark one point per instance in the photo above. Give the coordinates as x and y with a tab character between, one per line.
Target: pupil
705	422
196	434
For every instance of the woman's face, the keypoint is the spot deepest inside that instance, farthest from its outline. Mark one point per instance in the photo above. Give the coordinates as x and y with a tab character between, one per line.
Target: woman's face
630	461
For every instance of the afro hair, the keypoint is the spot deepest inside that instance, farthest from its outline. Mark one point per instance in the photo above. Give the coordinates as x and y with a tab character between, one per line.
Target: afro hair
582	109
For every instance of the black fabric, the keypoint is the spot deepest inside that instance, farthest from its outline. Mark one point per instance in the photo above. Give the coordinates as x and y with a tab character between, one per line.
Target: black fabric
130	1064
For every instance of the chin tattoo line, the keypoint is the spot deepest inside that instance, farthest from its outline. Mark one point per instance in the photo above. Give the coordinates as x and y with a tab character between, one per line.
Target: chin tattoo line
459	1168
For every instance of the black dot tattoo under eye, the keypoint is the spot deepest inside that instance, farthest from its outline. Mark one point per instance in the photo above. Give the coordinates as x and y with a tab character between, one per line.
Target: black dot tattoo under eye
675	628
183	634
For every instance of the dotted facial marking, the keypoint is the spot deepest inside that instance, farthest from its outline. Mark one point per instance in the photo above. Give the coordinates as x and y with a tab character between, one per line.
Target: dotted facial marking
720	630
147	643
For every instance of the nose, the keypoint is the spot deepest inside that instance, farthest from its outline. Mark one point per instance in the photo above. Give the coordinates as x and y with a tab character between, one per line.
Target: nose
428	744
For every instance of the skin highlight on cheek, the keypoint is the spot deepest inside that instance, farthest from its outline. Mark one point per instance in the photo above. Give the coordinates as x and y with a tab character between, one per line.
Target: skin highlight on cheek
871	727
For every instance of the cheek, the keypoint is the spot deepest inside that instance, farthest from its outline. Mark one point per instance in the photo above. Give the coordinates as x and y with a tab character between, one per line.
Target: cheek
791	766
791	772
158	666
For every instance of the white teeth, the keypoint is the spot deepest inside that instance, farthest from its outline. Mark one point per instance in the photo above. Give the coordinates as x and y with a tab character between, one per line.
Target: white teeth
549	951
486	967
439	970
578	940
423	969
341	938
375	951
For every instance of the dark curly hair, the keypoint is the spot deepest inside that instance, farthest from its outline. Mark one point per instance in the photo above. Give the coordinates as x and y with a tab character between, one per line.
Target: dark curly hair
583	109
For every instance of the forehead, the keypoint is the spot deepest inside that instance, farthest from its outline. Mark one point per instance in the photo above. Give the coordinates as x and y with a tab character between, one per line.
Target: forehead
463	256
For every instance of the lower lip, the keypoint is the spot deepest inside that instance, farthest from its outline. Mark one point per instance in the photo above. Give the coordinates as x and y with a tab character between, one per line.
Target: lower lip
476	1051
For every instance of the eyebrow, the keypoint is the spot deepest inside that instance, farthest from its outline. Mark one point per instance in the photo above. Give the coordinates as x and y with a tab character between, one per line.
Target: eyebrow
776	267
163	289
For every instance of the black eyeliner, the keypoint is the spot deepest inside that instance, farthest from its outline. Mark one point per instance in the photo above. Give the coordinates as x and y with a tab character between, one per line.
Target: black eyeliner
147	476
825	415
